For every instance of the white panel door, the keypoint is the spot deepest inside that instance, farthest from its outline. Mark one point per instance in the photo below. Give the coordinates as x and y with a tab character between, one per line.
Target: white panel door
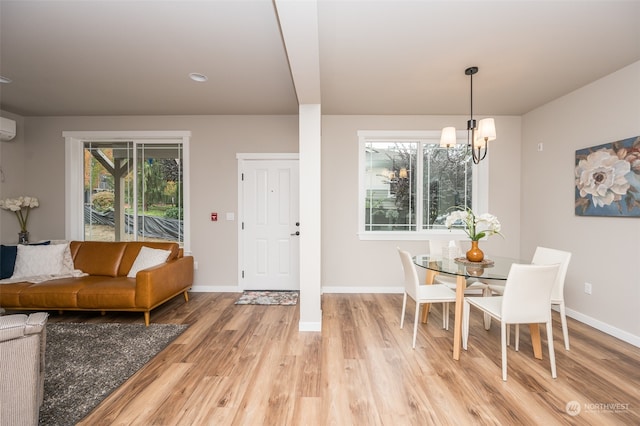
270	225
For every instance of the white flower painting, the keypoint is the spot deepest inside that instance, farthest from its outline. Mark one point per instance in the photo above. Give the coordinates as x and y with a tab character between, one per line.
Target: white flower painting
607	179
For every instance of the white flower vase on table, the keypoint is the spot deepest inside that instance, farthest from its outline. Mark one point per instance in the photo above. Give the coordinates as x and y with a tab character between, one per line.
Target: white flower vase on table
476	227
21	206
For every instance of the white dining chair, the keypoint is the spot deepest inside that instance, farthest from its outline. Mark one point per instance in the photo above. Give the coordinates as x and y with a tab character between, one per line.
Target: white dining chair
526	299
549	256
433	293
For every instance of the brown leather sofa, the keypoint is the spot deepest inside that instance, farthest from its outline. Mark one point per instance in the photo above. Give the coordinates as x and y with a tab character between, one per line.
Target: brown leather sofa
106	287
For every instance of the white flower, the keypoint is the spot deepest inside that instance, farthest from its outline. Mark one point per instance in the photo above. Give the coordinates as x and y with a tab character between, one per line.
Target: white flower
455	217
602	175
476	227
30	202
487	222
14	205
21	207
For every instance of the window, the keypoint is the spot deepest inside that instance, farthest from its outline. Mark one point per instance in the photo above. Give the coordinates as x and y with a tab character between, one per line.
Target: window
408	184
127	188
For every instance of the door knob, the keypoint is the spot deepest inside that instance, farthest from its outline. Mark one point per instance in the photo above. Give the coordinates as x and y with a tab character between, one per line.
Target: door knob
296	233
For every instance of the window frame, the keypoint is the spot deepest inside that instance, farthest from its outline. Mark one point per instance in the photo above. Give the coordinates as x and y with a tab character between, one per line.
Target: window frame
74	173
479	190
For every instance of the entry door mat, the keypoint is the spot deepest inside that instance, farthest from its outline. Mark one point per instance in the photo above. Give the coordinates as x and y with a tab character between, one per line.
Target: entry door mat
285	298
86	362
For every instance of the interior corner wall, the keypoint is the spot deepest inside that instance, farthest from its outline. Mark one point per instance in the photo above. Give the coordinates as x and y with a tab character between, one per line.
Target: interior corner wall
12	178
353	265
606	250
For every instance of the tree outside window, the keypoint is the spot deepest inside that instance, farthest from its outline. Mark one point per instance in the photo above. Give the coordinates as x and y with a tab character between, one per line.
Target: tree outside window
115	210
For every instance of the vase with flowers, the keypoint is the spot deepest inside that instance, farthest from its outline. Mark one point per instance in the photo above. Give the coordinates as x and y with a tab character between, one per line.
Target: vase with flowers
475	226
21	206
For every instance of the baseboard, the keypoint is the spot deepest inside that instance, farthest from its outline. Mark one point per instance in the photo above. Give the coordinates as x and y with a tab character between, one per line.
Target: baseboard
388	290
604	327
216	289
330	289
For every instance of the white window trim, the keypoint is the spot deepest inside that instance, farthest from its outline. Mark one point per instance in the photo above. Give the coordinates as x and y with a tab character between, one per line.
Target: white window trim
74	173
479	192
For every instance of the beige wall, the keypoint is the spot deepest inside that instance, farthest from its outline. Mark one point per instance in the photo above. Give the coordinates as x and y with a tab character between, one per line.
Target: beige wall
606	251
214	143
349	262
12	165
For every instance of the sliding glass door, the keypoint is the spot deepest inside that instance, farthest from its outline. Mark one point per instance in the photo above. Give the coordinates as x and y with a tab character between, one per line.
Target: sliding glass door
133	190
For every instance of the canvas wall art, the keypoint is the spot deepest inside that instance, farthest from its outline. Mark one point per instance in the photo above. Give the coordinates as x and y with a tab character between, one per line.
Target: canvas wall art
607	179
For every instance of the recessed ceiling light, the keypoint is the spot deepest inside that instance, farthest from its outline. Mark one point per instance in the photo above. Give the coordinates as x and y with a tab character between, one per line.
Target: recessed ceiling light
200	78
5	80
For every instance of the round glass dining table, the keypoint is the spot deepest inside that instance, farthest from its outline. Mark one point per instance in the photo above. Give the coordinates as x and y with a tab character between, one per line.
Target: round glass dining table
495	269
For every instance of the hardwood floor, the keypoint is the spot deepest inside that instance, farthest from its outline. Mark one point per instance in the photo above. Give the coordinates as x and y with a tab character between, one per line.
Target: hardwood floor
249	365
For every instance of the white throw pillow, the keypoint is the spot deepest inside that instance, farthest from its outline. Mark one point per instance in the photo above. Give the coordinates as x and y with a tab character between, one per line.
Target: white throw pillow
148	257
32	261
67	260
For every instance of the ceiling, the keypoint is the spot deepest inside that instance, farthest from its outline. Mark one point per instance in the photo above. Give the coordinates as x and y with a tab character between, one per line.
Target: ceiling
374	56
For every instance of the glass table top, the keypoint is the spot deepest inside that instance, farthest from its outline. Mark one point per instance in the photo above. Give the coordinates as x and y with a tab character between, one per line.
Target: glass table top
493	268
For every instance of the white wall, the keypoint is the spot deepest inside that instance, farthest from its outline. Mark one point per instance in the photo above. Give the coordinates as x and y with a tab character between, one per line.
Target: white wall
349	264
606	251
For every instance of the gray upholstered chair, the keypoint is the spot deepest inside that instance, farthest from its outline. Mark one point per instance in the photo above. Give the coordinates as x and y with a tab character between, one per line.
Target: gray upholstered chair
22	348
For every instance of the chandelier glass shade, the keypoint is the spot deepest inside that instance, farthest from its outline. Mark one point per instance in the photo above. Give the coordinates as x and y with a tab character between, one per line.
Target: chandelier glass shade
478	136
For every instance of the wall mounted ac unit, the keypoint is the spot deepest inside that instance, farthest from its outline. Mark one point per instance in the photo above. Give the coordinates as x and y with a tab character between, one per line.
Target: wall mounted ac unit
7	129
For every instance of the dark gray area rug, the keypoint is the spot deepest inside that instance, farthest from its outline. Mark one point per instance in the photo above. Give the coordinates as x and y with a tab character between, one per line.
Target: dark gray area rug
86	362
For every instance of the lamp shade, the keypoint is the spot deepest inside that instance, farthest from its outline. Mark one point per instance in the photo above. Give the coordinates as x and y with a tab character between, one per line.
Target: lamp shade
448	137
486	132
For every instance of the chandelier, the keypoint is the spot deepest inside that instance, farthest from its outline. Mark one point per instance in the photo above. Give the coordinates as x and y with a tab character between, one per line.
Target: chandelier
478	137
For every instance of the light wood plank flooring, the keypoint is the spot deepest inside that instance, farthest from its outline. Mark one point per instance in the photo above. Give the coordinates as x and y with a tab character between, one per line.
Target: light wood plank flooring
249	365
